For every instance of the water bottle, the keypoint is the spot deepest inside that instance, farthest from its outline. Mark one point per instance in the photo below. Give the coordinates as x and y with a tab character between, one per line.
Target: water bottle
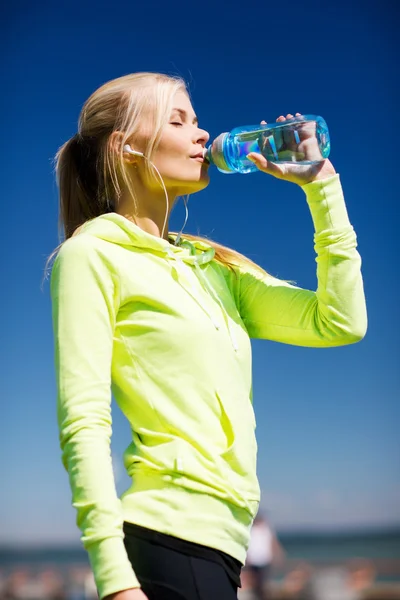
303	140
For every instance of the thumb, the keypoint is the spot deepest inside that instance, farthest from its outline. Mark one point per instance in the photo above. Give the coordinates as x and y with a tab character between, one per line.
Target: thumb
264	165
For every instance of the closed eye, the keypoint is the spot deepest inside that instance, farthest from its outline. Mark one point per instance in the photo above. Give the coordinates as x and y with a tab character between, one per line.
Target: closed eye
176	123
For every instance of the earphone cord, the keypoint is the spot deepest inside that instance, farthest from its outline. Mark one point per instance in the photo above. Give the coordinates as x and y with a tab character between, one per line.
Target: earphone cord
165	192
185	201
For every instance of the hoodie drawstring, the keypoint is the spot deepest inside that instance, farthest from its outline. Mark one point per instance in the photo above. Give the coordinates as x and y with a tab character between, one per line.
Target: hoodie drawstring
196	260
212	293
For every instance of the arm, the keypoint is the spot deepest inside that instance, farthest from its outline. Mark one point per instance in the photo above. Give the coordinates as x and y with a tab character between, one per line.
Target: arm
134	594
335	314
85	303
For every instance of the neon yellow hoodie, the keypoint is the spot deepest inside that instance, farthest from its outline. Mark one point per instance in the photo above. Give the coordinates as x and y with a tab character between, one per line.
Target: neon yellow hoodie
169	329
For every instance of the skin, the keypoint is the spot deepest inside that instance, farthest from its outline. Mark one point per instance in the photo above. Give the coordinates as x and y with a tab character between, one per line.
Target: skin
181	139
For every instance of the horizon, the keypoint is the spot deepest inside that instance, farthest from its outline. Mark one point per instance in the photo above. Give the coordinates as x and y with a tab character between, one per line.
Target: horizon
284	536
341	532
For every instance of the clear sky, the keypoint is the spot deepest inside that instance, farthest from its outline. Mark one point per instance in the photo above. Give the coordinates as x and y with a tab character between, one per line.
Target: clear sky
327	420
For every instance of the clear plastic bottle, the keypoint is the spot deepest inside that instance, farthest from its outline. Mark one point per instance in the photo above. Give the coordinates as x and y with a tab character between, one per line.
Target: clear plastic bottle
303	140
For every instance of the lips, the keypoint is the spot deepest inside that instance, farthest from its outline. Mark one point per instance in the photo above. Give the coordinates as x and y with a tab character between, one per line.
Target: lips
198	155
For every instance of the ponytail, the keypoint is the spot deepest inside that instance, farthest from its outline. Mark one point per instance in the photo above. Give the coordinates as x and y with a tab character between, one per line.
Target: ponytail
80	181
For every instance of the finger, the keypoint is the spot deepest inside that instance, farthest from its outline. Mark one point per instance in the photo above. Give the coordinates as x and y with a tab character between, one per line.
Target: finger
289	116
263	122
298	114
264	165
259	160
281	118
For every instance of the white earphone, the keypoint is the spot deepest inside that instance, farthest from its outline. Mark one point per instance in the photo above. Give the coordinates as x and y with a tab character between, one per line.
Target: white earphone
128	149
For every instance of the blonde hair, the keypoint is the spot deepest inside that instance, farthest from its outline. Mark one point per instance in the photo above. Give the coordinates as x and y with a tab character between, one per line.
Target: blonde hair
90	173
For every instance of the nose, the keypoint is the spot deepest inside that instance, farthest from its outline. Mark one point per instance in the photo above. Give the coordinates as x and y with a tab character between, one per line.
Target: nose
202	137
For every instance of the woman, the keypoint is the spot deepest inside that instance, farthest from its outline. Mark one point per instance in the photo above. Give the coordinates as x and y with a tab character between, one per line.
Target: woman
166	322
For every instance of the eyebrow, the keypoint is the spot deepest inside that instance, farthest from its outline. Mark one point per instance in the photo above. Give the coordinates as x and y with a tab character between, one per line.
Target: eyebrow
183	113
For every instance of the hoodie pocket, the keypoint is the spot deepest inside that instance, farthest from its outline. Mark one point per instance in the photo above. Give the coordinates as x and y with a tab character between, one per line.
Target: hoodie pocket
238	460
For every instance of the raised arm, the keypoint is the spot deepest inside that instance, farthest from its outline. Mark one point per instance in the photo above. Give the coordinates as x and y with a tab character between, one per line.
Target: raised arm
85	299
335	314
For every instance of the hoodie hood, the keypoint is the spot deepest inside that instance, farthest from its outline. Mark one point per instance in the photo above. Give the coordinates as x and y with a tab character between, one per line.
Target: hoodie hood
117	229
196	255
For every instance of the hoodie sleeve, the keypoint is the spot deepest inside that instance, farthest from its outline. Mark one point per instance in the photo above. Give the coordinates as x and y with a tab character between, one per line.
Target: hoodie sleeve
333	315
85	299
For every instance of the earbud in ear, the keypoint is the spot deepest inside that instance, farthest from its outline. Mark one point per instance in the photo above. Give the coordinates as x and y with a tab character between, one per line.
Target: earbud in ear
128	149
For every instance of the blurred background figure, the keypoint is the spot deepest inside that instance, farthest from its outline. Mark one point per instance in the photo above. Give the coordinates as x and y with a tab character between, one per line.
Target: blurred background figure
90	586
247	591
50	585
296	580
18	585
76	583
3	581
361	575
264	551
340	583
22	584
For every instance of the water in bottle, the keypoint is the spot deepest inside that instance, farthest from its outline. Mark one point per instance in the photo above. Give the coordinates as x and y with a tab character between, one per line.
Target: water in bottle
303	140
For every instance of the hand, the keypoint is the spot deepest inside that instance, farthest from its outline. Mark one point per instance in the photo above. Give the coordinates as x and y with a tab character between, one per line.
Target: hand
307	148
132	594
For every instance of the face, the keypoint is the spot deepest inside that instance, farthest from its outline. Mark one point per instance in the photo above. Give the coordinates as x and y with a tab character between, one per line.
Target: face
179	156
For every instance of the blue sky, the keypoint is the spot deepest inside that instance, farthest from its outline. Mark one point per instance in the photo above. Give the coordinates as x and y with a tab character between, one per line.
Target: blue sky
327	419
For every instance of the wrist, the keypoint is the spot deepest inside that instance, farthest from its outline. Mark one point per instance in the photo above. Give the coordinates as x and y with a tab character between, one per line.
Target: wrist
327	170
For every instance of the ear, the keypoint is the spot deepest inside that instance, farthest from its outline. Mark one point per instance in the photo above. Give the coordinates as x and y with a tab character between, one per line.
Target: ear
116	142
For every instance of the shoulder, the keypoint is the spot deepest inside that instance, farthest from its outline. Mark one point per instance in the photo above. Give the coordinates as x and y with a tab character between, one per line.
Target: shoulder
82	247
80	258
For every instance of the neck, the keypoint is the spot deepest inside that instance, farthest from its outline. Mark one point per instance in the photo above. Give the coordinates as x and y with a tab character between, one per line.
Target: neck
149	211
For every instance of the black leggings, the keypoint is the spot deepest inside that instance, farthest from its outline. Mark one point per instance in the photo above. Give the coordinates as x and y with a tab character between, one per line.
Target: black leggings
166	574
